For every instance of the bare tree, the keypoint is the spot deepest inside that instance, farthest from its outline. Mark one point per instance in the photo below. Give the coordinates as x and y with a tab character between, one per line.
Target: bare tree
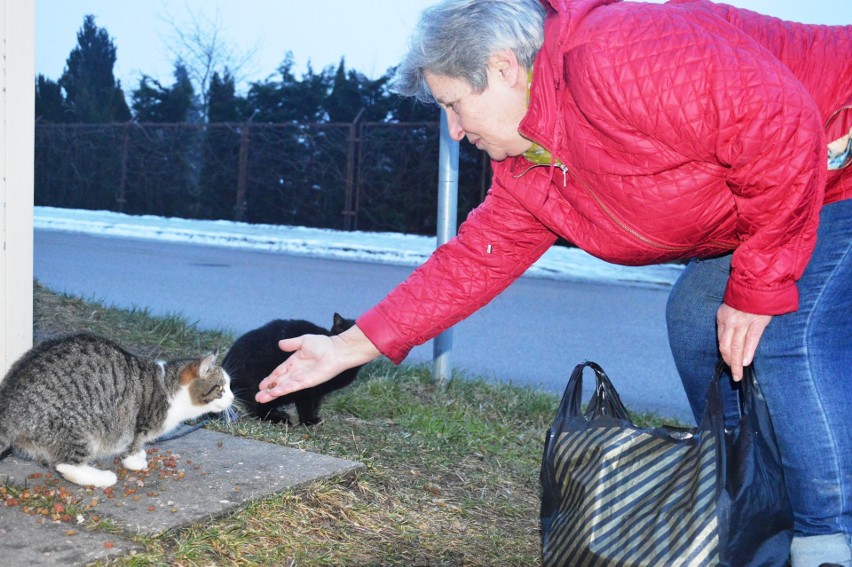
197	42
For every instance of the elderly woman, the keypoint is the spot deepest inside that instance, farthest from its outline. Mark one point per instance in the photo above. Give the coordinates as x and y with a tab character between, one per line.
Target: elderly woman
645	133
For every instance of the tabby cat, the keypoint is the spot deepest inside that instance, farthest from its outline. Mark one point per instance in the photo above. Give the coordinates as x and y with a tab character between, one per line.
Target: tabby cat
72	400
254	355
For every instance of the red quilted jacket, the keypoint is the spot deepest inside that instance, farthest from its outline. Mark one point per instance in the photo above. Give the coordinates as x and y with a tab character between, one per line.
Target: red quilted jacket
687	129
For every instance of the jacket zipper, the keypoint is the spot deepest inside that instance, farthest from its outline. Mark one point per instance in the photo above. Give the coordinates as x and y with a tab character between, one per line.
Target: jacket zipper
558	164
618	222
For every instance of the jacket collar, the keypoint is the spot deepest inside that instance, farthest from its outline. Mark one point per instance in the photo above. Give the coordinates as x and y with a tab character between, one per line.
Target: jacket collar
542	122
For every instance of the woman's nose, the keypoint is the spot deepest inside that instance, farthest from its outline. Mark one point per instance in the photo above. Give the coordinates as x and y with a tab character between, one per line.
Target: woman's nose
454	126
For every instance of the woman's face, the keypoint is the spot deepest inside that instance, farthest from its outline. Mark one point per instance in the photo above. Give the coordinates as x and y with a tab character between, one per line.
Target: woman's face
489	119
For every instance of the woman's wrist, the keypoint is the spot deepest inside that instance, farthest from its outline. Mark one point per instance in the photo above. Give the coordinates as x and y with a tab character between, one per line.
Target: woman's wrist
354	347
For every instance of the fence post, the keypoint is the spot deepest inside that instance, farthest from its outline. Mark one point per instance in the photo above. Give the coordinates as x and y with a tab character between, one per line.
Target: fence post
359	178
349	211
242	174
121	198
448	189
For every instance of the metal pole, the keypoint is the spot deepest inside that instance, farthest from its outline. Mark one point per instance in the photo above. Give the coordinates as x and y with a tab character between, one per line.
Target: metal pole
448	189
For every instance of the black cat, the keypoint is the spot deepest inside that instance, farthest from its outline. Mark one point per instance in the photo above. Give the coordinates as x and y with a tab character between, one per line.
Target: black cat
255	355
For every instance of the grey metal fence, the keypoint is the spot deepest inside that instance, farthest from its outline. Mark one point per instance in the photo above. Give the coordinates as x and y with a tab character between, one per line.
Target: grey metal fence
359	176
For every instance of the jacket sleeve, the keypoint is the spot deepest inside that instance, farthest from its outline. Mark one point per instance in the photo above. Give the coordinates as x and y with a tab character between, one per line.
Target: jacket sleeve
770	137
495	245
708	92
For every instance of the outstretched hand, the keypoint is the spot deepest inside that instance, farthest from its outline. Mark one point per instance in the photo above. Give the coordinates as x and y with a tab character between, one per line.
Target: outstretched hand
739	334
315	359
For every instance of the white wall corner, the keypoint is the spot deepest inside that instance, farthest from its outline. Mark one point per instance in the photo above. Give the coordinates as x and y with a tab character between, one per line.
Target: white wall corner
17	141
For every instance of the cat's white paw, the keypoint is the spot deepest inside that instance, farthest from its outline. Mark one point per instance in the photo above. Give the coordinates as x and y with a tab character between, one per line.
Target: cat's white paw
136	462
85	475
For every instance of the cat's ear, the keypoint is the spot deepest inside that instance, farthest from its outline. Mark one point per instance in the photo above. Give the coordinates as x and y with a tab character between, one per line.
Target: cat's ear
197	368
207	363
338	320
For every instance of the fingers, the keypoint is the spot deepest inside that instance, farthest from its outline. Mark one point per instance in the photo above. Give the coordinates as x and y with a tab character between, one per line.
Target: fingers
731	346
739	334
274	386
315	359
271	382
306	367
752	339
285	379
273	389
290	345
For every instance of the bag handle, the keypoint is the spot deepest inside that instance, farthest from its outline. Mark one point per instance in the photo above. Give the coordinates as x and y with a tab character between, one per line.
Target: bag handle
714	411
604	402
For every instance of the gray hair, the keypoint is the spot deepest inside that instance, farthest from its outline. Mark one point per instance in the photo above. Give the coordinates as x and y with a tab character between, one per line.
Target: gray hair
456	38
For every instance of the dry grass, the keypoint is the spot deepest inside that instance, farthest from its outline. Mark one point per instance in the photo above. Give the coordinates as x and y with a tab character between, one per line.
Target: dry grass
450	477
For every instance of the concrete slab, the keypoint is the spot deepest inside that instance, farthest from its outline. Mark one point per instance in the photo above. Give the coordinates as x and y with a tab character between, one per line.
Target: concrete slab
189	479
27	540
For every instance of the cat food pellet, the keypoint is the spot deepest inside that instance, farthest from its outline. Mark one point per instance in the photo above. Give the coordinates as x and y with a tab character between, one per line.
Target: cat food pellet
271	385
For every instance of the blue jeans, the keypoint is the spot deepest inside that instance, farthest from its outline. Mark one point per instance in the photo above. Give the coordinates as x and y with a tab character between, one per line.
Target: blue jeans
803	363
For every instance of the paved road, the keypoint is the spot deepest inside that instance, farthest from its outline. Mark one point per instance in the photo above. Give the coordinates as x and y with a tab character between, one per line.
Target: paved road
534	333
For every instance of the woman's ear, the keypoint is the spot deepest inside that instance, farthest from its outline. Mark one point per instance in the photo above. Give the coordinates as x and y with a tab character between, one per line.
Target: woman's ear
505	65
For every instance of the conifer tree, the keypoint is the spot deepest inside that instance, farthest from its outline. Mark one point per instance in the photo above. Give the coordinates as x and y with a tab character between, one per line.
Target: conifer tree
92	94
289	99
223	104
153	102
49	102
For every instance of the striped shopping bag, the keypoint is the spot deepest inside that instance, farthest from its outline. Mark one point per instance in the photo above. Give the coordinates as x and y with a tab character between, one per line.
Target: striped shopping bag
614	494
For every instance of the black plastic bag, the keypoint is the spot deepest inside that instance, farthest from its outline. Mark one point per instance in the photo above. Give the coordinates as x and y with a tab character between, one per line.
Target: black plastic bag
617	494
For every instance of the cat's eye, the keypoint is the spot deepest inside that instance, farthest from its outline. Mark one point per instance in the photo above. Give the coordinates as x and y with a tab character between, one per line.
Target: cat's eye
217	389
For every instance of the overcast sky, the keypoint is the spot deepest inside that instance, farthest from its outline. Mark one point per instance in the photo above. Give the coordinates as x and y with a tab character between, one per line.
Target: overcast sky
370	34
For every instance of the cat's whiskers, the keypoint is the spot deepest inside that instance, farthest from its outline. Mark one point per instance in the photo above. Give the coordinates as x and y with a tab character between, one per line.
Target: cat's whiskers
231	414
